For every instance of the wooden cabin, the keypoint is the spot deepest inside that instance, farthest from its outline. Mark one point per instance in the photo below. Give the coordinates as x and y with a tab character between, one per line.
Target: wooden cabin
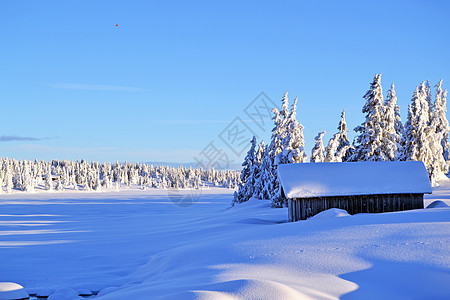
357	187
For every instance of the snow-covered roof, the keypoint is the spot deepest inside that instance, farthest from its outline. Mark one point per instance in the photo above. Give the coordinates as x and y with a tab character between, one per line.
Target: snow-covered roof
306	180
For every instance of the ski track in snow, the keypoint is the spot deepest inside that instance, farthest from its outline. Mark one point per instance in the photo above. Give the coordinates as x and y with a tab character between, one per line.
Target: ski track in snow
139	245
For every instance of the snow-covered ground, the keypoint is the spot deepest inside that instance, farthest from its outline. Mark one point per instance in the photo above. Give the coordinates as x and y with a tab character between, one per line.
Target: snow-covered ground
140	245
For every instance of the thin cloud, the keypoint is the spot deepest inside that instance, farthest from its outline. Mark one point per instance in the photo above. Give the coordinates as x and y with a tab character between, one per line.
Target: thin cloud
15	138
94	87
12	138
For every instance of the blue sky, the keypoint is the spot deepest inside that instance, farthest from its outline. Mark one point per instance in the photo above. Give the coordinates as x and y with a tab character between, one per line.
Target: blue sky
172	76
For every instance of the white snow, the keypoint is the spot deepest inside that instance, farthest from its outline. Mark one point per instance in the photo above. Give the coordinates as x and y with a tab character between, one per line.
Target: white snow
12	291
139	245
353	178
330	213
437	204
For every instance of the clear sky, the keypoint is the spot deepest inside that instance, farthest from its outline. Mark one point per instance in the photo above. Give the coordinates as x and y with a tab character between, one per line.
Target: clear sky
172	75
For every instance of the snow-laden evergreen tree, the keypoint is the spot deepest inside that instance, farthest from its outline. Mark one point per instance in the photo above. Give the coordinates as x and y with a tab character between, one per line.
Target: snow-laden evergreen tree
270	175
263	185
291	149
318	151
368	146
9	179
438	166
416	146
439	119
409	135
429	100
274	154
284	113
331	149
344	143
259	184
59	184
392	127
420	141
437	136
246	188
338	147
293	141
48	180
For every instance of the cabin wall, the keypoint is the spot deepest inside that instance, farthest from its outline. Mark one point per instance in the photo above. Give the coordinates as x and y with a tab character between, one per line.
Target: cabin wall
303	208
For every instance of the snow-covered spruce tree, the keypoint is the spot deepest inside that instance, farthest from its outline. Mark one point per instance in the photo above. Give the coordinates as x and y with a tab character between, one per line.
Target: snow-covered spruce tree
392	128
48	184
284	113
338	148
293	141
409	136
290	150
437	134
28	180
438	166
263	187
9	178
344	144
246	187
258	170
439	119
368	146
59	184
429	100
420	141
318	151
331	149
269	175
274	154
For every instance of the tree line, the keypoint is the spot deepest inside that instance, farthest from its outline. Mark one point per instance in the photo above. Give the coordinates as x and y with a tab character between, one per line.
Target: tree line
29	176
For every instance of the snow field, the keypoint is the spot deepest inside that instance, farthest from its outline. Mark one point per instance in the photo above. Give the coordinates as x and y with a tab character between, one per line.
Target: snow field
139	245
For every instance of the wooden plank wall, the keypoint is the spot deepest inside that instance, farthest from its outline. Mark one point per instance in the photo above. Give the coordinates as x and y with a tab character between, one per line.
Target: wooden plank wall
303	208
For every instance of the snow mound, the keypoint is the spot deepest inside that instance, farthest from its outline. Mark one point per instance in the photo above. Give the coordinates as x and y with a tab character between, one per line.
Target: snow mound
64	294
437	204
330	214
246	289
84	292
12	291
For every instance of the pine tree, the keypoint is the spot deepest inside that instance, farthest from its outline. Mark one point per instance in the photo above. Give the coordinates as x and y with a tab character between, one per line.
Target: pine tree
411	135
393	128
9	179
284	106
317	153
439	118
338	148
268	182
343	139
429	100
271	184
286	146
420	140
369	141
247	185
437	137
48	180
331	149
293	140
259	184
263	186
438	166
